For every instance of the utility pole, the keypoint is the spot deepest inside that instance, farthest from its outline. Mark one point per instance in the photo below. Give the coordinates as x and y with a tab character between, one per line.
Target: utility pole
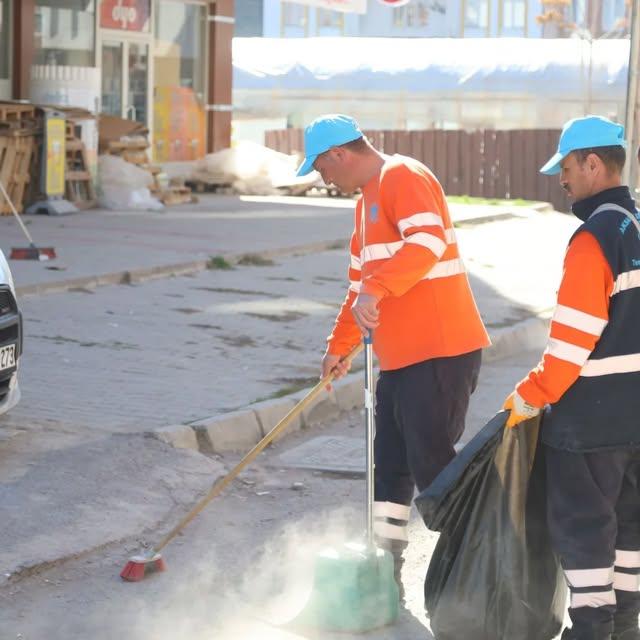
631	114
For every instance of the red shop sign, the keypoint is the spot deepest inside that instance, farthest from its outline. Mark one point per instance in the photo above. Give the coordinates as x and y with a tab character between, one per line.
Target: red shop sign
127	15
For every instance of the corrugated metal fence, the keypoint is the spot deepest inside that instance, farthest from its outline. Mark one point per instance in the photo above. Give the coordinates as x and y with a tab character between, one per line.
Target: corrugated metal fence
488	164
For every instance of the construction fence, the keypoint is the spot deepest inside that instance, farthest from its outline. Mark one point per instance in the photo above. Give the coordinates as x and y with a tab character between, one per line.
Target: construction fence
487	164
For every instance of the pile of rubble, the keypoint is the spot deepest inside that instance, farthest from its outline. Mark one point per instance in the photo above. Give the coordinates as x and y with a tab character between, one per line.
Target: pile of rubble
251	169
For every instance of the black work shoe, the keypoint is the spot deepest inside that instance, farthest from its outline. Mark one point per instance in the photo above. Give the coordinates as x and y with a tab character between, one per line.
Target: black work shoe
625	619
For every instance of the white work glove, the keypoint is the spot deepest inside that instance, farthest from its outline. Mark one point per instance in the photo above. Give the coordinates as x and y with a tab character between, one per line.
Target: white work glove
520	409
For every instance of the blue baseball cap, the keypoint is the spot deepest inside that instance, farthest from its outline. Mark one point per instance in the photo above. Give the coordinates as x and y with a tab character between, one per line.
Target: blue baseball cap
326	132
584	133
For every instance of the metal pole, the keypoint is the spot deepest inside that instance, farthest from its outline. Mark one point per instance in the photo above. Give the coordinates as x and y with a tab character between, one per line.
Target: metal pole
630	175
590	77
368	405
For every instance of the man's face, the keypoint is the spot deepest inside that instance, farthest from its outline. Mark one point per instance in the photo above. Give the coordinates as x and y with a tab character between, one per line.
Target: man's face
335	168
577	179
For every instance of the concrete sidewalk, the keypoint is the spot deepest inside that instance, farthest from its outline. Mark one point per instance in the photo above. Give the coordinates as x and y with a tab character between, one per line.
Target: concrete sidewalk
100	247
108	247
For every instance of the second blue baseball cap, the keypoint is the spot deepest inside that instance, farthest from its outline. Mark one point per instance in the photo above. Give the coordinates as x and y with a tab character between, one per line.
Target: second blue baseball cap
323	133
584	133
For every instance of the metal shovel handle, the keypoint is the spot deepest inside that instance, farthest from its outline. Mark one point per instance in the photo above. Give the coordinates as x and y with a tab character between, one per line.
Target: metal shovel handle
368	405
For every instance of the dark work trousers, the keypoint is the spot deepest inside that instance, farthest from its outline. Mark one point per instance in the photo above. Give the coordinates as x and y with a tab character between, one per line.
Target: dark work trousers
420	414
594	521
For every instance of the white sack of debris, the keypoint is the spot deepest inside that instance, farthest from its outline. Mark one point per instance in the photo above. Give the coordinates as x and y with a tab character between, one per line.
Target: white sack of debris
252	169
123	186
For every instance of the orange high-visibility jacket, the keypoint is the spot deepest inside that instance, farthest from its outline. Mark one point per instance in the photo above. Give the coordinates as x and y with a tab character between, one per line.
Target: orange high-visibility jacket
580	317
404	252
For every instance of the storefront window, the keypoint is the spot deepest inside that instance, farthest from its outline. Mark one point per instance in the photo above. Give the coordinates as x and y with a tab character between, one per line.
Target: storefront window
514	18
415	14
295	20
180	45
4	40
179	66
329	23
65	32
476	17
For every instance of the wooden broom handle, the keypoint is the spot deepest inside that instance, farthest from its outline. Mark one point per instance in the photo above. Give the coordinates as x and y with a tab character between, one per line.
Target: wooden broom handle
221	483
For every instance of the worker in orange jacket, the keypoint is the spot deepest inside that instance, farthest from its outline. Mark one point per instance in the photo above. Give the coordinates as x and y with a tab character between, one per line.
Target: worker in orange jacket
589	382
407	285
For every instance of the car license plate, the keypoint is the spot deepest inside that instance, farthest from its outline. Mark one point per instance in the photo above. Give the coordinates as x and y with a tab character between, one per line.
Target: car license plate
7	357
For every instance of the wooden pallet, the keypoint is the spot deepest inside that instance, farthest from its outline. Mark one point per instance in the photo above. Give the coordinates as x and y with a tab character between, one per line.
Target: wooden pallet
215	184
16	152
78	181
10	112
176	195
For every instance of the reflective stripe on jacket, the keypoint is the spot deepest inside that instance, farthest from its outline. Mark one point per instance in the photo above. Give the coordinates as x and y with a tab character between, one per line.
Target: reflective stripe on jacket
407	256
590	373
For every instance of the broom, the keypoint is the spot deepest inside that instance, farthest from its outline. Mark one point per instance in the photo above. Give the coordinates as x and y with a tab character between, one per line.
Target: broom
151	560
31	252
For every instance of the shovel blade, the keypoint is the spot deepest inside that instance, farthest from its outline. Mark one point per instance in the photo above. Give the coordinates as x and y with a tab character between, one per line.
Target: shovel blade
354	591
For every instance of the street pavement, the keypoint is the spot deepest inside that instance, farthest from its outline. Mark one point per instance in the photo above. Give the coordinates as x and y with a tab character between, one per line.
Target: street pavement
243	568
81	481
100	246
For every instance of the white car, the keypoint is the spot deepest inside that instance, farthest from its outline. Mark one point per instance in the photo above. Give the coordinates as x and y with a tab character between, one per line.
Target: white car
10	339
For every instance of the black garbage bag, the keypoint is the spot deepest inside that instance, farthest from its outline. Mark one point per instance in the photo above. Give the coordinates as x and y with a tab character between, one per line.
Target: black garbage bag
493	575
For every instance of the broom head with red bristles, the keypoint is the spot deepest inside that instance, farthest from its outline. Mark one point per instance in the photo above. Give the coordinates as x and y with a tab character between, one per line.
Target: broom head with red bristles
33	253
141	566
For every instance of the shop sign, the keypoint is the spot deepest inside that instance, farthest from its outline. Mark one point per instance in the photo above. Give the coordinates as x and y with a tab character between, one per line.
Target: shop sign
345	6
126	15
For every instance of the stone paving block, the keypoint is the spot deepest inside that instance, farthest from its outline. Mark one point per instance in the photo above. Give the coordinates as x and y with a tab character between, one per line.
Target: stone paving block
234	431
349	392
270	412
323	407
180	436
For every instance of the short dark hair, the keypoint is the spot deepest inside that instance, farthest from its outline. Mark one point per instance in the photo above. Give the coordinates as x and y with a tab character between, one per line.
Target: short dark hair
612	157
359	145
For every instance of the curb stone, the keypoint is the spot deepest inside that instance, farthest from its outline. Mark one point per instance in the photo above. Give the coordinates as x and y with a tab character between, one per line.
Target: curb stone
543	207
241	430
235	431
522	336
350	392
146	274
324	407
180	436
270	412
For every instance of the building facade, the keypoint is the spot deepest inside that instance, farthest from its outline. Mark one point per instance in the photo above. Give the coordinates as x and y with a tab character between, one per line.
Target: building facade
436	18
163	63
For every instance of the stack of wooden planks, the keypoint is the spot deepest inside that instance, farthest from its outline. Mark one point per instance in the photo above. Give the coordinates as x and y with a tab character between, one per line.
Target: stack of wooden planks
19	128
134	149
